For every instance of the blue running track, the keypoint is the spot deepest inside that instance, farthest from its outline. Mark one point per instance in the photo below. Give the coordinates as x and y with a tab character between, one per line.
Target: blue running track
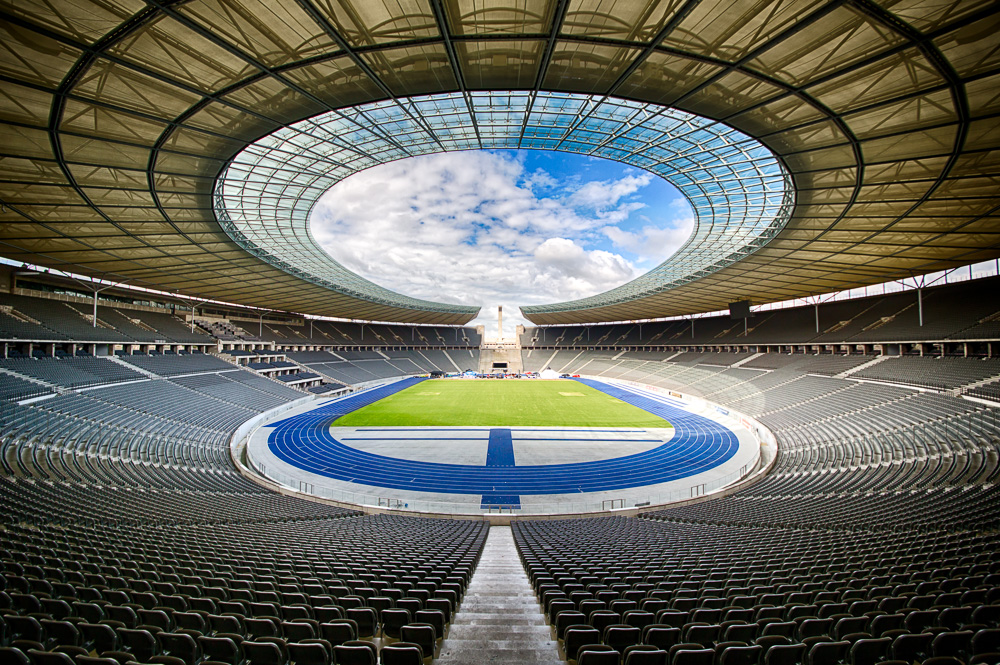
305	441
500	454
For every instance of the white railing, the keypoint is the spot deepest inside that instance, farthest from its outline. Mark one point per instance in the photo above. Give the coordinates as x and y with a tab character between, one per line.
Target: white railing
602	502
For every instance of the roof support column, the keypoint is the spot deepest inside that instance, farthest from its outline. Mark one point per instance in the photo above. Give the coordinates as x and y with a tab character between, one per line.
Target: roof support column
920	305
92	286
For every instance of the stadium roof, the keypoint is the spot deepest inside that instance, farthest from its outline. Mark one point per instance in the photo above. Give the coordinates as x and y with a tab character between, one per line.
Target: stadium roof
118	116
740	193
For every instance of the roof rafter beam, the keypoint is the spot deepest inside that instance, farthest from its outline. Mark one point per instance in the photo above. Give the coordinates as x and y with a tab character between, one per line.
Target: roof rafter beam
558	18
449	47
331	31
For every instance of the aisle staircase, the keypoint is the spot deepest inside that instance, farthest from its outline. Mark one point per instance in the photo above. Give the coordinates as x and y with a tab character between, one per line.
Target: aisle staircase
500	620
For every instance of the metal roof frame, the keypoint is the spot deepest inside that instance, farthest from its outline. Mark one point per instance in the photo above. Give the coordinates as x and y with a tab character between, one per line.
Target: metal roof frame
118	115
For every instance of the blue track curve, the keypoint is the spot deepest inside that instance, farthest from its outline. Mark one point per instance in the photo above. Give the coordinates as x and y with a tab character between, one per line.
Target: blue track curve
698	444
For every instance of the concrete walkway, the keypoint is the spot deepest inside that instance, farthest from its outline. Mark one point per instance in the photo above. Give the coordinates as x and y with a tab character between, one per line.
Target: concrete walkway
500	620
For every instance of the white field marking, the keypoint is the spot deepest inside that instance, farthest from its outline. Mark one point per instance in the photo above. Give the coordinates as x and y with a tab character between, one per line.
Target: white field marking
571	394
428	393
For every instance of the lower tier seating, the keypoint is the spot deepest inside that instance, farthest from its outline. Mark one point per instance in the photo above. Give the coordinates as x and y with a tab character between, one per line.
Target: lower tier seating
689	593
229	591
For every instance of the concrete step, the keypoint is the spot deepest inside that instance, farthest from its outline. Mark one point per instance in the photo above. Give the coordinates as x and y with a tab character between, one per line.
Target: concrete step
500	620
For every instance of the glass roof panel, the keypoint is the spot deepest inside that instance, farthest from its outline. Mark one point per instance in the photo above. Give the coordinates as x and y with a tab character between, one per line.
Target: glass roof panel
741	193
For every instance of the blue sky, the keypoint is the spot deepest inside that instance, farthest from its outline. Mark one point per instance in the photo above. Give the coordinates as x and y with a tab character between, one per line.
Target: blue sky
501	227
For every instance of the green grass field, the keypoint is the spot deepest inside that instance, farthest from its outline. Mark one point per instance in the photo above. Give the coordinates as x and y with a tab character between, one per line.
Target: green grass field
502	403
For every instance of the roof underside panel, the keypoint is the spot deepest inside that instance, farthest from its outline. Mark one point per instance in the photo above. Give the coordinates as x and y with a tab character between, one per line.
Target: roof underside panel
116	116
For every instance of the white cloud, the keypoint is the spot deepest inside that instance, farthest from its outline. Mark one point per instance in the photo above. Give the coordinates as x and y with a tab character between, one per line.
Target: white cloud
469	227
594	267
540	179
653	244
601	195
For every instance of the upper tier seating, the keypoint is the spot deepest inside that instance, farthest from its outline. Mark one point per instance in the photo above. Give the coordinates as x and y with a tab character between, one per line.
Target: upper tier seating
989	391
31	318
175	365
71	372
59	320
963	311
933	372
346	334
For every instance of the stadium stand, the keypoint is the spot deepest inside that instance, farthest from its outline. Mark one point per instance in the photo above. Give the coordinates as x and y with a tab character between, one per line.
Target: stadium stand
15	388
962	312
71	372
723	591
43	319
130	534
309	357
873	537
171	366
933	372
871	533
225	330
357	366
17	325
990	390
62	320
347	334
241	353
438	360
169	327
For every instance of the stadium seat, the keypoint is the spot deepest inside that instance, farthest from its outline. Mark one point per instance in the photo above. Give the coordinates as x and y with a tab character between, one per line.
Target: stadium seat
596	654
741	655
402	653
309	653
422	634
785	654
355	654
